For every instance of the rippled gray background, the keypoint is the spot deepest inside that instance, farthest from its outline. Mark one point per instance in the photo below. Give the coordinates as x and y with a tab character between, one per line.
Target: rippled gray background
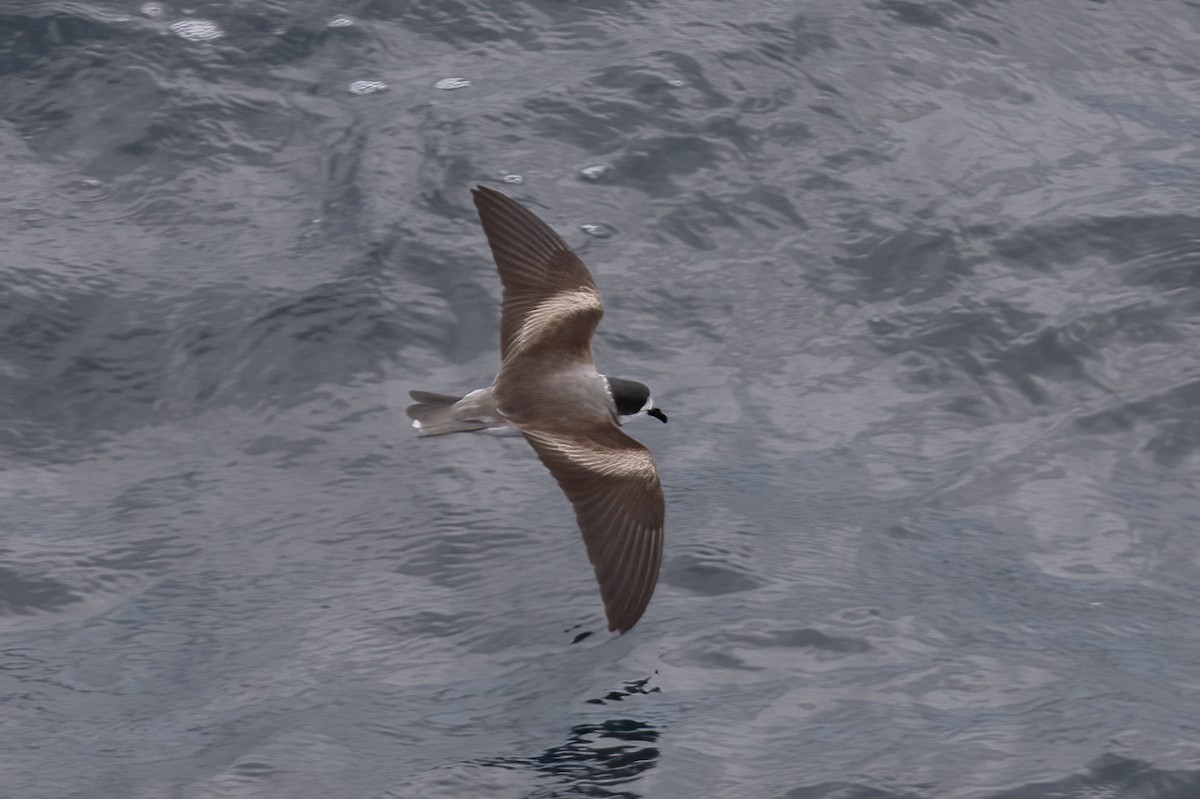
917	282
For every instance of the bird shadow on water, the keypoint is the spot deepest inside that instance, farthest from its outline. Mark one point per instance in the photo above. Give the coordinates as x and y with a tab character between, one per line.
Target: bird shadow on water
597	759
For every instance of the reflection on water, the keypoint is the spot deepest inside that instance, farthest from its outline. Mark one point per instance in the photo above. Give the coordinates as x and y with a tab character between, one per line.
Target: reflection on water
596	760
632	688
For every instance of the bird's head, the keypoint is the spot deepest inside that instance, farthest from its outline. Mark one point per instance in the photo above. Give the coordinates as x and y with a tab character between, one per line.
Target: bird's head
633	398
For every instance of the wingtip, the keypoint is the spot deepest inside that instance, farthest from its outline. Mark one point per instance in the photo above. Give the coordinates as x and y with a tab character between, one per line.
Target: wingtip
483	196
623	623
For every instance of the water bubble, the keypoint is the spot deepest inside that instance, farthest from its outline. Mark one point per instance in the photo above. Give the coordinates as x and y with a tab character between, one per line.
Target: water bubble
598	230
367	87
87	190
676	82
155	10
596	171
881	326
449	84
340	21
515	180
197	30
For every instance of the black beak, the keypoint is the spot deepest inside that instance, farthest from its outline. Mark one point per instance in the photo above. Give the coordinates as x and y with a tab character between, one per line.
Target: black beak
657	414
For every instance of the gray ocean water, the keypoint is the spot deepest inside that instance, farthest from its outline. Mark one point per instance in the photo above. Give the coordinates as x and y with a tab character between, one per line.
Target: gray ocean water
917	282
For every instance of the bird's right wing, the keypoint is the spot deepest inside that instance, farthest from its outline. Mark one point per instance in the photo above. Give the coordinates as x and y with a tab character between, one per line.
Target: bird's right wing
612	482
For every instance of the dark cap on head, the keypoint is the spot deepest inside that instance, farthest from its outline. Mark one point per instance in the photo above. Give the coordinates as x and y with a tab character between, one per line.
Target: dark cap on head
631	397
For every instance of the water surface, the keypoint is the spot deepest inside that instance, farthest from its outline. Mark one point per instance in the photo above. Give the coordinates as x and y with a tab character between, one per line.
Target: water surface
918	284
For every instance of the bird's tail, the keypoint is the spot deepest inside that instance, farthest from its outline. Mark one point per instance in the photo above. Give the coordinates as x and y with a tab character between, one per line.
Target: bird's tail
439	414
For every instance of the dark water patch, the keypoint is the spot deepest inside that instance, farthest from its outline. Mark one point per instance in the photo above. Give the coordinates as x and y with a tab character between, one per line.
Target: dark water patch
655	162
157	122
786	43
699	223
708	576
972	325
998	346
349	419
916	264
746	649
924	15
702	91
326	313
342	204
981	35
530	26
772	208
630	689
595	760
284	452
802	638
956	350
148	555
39	35
454	554
645	87
78	360
160	492
767	103
1113	777
459	316
335	331
279	36
56	32
1157	250
625	108
596	124
849	790
22	592
1172	426
90	358
1048	354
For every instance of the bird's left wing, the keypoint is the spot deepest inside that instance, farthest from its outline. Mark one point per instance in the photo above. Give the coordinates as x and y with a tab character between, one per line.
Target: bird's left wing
551	304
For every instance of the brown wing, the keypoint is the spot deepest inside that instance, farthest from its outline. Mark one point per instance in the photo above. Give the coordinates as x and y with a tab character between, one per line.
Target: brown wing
545	284
612	482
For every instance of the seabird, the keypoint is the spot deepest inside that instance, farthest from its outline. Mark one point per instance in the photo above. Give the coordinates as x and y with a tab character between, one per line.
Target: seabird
549	390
